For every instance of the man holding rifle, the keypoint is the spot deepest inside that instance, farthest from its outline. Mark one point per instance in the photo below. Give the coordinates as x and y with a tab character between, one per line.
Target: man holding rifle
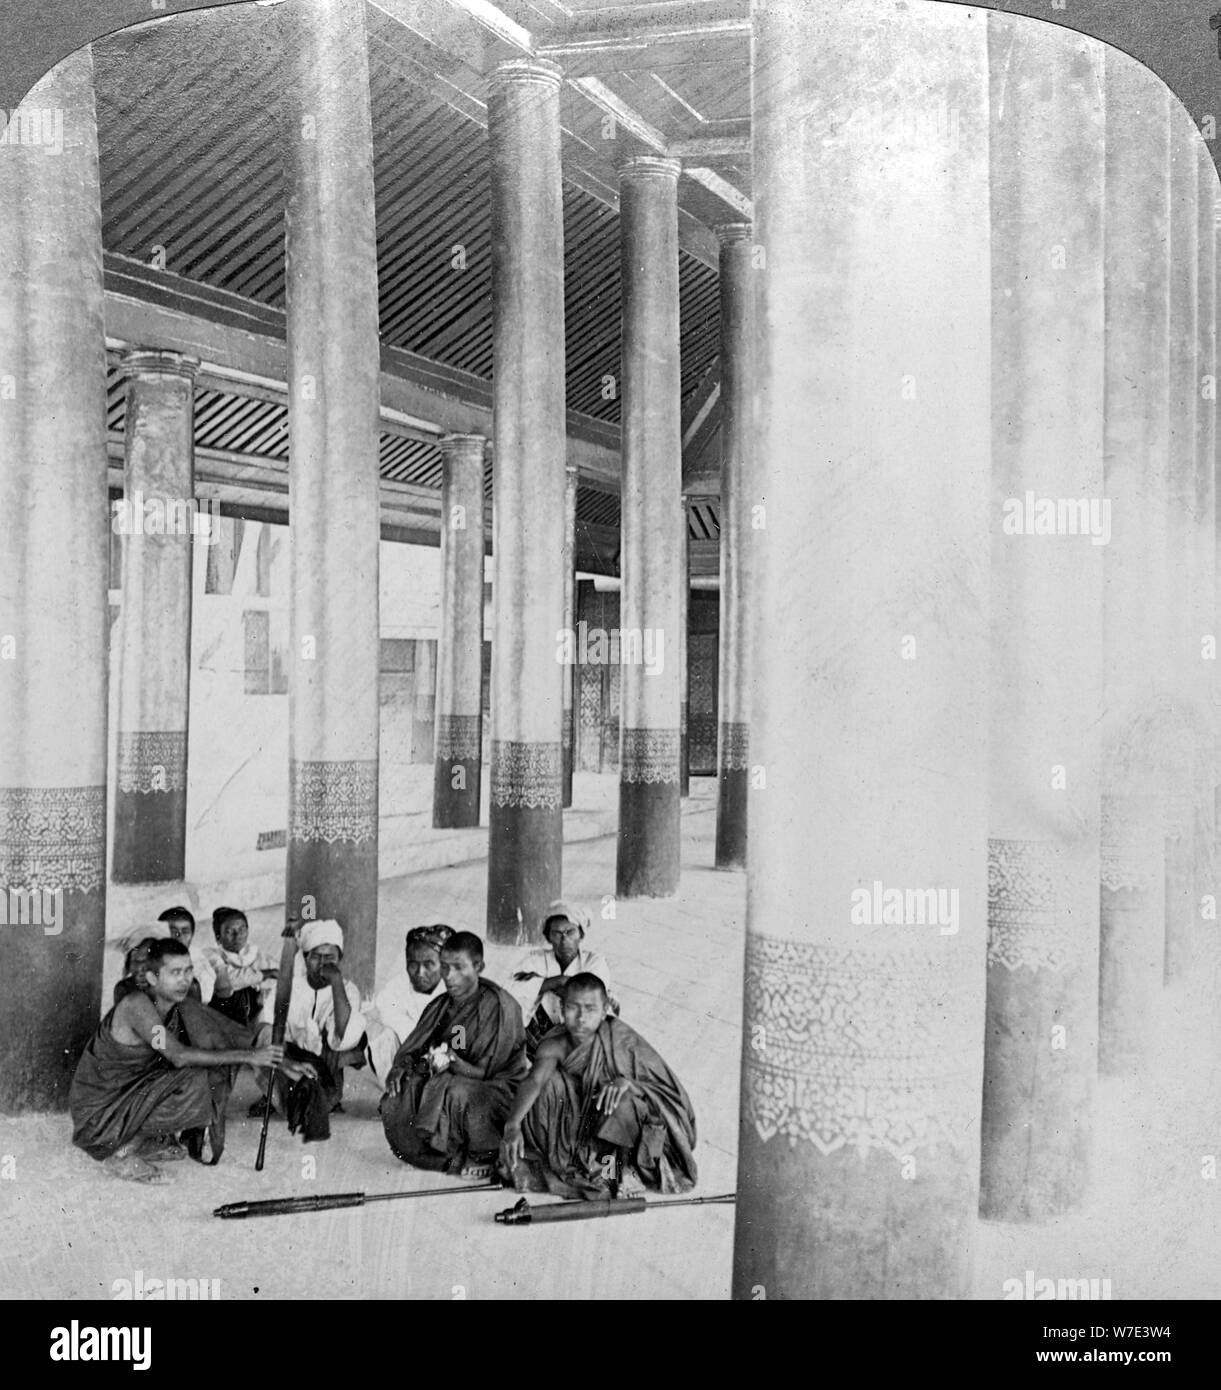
159	1064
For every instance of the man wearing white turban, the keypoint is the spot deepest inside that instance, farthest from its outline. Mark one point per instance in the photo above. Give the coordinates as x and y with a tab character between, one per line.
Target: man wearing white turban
324	1034
540	978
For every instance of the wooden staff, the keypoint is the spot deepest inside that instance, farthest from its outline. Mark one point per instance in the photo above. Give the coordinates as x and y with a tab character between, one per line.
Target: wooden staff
284	990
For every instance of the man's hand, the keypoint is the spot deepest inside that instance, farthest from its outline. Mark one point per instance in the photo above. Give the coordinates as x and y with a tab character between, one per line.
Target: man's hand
526	975
296	1070
332	974
439	1058
612	1094
268	1056
512	1147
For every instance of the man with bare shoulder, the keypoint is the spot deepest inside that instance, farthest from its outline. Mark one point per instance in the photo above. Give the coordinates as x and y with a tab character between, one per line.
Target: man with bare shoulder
158	1068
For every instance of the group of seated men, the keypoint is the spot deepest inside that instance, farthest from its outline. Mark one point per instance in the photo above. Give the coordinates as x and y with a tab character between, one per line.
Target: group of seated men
541	1081
154	1080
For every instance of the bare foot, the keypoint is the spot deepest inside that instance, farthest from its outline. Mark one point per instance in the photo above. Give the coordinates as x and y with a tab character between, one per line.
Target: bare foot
478	1165
162	1148
130	1167
631	1184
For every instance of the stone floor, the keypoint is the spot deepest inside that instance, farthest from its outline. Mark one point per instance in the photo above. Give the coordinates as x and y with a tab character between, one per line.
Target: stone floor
1151	1223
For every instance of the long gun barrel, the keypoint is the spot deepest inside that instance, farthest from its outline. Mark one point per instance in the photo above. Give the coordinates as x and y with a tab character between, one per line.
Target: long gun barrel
290	1206
523	1214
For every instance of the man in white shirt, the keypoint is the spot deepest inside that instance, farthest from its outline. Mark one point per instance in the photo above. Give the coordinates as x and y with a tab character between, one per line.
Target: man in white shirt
400	1002
540	977
324	1034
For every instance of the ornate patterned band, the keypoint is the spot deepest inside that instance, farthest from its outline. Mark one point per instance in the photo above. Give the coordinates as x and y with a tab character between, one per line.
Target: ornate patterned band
526	775
859	1049
152	762
458	737
333	801
53	838
650	755
1026	925
735	747
1131	833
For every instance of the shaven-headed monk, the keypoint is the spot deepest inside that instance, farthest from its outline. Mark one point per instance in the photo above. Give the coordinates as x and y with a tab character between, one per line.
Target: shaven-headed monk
600	1113
453	1079
159	1064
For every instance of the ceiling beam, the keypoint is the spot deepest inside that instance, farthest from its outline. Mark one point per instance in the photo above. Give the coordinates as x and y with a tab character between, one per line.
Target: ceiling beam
717	139
246	480
448	30
453	27
672	19
721	188
234	337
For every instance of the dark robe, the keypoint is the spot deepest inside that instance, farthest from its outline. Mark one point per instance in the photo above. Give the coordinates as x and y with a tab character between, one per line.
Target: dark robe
244	1006
435	1122
307	1103
120	1091
567	1141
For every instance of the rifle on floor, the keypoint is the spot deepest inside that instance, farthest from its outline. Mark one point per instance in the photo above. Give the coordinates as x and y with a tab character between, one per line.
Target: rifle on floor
290	1206
523	1214
284	990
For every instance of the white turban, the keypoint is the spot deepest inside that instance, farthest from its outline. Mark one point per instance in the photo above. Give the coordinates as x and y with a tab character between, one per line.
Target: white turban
328	932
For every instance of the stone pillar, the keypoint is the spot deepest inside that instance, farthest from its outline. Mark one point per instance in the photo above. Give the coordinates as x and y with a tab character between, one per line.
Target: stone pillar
459	722
1184	725
652	540
1041	1049
684	621
737	440
858	1164
53	610
334	367
424	704
1206	480
150	809
1137	226
525	839
568	729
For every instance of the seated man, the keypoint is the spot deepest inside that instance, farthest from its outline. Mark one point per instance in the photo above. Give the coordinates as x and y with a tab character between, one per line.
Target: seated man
452	1082
181	924
159	1063
325	1032
244	977
600	1112
539	979
399	1004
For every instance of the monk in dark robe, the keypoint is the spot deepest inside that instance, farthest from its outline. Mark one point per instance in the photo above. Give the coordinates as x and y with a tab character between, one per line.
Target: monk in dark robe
601	1114
159	1065
453	1079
